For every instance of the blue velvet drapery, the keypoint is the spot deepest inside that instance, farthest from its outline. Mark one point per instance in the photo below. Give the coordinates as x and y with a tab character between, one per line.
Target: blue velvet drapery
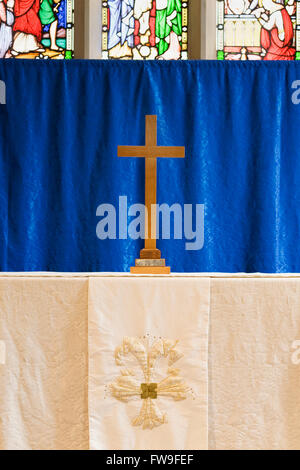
59	132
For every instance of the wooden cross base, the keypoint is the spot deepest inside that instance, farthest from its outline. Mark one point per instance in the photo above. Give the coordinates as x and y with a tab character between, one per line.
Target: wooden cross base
150	269
150	262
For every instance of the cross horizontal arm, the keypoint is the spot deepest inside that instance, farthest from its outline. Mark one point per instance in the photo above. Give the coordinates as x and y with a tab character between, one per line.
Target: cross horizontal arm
151	152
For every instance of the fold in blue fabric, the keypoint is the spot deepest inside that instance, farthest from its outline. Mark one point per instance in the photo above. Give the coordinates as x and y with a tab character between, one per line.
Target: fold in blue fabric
59	133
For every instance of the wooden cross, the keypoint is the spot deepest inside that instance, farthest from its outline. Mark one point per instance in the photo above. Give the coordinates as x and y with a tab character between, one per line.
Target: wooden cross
150	261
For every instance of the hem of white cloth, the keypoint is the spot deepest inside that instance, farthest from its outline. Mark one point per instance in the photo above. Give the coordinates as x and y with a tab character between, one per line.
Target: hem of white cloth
175	275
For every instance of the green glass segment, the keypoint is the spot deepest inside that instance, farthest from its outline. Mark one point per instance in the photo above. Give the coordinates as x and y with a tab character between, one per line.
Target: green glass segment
163	28
220	55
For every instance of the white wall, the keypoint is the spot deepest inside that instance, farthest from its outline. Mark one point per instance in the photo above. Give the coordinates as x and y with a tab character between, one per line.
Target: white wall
208	29
93	20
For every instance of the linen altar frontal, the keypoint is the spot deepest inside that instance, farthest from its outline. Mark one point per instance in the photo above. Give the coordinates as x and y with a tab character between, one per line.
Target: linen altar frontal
123	362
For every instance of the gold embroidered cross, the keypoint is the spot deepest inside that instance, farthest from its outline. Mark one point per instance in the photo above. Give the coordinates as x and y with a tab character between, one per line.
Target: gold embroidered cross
139	359
149	391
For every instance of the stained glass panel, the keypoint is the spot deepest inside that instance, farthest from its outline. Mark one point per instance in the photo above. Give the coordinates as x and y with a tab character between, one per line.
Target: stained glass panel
145	29
258	29
37	29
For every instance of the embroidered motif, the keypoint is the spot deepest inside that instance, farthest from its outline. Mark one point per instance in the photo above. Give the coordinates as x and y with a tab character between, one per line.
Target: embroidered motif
132	385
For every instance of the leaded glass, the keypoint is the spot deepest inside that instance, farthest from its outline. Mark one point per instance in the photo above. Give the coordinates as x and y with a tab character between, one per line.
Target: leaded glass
145	29
258	29
37	29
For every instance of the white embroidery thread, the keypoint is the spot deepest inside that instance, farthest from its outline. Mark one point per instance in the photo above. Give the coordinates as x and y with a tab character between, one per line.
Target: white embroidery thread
146	352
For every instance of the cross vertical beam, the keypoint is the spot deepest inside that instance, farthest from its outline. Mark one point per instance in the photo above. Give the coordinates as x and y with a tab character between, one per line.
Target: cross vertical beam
150	191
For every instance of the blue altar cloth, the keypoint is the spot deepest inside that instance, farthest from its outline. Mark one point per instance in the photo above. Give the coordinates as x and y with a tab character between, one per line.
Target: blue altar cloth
59	132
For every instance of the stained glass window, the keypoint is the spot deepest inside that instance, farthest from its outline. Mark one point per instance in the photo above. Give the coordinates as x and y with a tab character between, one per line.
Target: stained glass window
258	29
37	29
145	29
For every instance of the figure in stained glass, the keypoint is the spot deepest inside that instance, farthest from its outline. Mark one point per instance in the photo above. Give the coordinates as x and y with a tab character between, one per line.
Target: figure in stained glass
145	29
277	35
36	29
6	25
258	30
27	27
169	28
48	16
120	34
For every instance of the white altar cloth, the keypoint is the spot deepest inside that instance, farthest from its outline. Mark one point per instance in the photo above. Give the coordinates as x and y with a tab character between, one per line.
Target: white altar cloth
230	345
